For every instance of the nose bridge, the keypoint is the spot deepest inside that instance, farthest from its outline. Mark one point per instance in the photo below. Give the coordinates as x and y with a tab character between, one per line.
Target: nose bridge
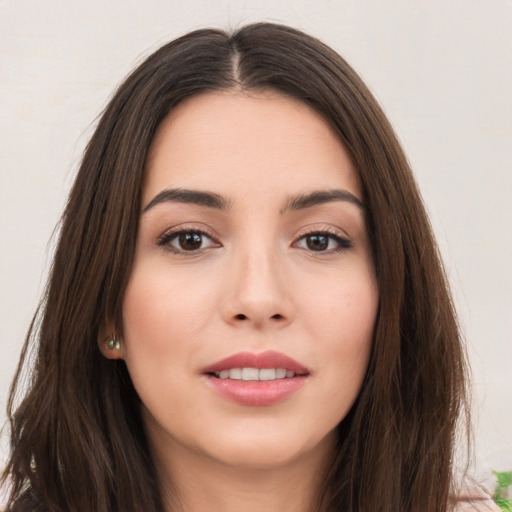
256	291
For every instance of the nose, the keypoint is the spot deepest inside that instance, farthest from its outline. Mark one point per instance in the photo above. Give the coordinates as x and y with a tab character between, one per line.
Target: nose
256	292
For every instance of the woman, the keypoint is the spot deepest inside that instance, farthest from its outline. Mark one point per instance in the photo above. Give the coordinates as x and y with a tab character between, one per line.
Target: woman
246	306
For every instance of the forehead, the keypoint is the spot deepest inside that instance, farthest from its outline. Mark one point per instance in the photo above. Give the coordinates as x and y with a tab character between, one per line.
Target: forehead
260	142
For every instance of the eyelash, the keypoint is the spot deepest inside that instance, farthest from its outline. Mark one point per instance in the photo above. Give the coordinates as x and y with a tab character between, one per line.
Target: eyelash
165	240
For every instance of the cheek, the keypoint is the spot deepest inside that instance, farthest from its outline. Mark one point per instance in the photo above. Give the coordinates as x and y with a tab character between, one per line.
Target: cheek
341	319
342	308
164	316
160	306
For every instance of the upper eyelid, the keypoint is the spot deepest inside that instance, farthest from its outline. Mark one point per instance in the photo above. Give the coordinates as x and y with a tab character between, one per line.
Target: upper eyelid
184	228
331	230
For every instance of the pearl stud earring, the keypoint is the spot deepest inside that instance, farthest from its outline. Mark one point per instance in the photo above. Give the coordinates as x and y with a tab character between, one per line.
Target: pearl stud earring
114	343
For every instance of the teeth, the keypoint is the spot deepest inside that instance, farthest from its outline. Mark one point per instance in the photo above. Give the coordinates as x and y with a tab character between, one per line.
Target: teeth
235	373
255	374
267	374
280	373
250	373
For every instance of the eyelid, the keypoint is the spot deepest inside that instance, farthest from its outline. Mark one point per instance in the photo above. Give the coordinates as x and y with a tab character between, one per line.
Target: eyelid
322	228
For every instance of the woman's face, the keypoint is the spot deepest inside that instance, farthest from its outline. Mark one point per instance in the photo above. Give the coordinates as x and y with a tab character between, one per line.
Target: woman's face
250	308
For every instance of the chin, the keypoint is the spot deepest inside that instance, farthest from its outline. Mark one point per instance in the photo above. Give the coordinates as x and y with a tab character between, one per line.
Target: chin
253	450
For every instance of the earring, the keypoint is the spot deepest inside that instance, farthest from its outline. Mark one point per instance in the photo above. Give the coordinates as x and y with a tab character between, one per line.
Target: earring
113	343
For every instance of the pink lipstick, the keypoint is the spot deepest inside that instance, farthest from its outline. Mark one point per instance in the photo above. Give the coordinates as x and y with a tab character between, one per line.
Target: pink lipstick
256	379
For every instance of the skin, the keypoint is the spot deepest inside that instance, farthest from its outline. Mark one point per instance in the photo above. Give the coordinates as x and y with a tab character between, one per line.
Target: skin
253	284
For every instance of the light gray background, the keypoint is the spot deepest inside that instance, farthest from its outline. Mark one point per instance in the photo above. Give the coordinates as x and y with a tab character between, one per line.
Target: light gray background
441	69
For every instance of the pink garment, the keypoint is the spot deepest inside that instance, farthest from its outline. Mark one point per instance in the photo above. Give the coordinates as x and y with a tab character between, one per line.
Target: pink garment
476	499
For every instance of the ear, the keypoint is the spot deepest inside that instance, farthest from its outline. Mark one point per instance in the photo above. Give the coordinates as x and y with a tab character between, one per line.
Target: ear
111	345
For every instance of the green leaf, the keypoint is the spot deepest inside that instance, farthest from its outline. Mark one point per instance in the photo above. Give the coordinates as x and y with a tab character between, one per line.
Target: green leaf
504	479
504	482
504	504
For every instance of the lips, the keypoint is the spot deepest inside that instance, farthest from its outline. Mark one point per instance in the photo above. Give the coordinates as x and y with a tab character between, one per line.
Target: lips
268	359
256	379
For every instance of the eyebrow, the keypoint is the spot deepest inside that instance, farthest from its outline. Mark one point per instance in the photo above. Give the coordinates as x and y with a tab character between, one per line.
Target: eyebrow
180	195
218	202
319	197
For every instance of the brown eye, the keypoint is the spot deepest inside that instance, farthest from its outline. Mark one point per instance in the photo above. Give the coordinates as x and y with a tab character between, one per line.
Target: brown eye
186	241
190	241
317	242
323	242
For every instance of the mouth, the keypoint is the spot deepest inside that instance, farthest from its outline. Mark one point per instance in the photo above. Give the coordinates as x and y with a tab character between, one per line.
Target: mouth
253	374
261	379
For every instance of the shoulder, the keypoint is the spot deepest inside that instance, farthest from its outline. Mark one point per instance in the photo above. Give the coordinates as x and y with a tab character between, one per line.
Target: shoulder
484	505
476	500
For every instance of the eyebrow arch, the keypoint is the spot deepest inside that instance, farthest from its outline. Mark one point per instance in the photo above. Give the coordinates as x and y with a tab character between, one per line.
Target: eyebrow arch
318	197
181	195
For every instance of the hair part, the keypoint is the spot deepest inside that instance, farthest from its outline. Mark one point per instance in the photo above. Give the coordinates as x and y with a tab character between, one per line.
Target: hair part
77	437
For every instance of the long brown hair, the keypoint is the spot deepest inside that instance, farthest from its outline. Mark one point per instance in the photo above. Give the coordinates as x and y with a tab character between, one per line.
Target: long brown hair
77	439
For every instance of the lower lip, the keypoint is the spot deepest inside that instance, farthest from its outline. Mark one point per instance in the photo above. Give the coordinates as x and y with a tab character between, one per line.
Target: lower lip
256	392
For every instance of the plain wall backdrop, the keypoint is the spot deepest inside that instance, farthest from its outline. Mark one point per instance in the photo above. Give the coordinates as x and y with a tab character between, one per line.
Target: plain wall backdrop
442	71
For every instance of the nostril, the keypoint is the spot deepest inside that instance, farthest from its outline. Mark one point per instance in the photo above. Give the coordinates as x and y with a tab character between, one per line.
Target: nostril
241	316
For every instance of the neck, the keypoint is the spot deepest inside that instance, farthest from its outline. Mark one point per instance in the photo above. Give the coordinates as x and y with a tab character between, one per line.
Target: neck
197	483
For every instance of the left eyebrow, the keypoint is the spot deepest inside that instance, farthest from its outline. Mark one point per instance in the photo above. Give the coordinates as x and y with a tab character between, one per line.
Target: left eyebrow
318	197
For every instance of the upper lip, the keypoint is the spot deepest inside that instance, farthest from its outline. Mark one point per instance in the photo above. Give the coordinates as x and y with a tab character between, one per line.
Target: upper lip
267	359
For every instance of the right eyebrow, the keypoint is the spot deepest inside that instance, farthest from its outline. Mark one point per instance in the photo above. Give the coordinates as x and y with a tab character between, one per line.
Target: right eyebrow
198	197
